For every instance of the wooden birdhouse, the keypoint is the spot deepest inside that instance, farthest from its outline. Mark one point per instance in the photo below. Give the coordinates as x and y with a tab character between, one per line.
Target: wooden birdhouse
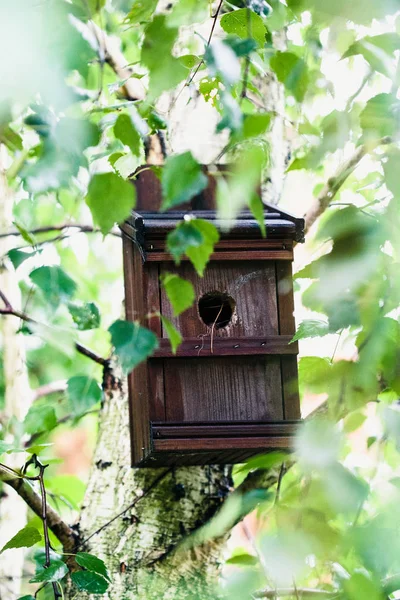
231	390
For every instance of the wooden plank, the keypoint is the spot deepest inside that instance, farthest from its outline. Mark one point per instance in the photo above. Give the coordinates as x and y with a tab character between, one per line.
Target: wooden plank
183	430
229	255
287	326
138	379
223	389
231	244
252	287
155	368
211	444
228	347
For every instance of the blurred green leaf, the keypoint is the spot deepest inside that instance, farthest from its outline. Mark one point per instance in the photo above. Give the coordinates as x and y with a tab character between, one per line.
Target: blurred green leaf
40	417
380	117
317	444
132	343
125	131
141	11
222	61
165	70
180	292
309	329
378	51
291	70
25	538
195	238
243	560
83	393
181	180
173	334
361	586
110	199
391	169
186	12
54	283
17	256
353	422
85	316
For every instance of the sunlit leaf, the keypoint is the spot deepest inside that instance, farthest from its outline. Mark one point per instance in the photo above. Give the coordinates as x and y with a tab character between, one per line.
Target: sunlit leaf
378	51
141	11
25	538
317	444
180	292
380	117
132	343
165	70
186	12
173	334
40	417
125	131
244	23
291	70
110	199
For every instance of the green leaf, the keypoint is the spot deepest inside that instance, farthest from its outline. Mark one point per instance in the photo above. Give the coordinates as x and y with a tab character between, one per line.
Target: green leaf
255	125
83	393
257	208
132	343
25	538
234	192
380	117
309	329
361	586
179	291
54	283
165	70
353	422
264	462
243	560
40	417
10	138
195	238
391	169
125	131
89	582
57	337
378	51
359	11
173	334
181	180
92	563
110	199
141	11
8	449
317	444
240	47
291	70
186	12
55	572
26	236
29	597
85	316
245	23
17	256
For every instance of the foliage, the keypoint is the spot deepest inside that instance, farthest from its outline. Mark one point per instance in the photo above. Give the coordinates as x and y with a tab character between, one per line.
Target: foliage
73	136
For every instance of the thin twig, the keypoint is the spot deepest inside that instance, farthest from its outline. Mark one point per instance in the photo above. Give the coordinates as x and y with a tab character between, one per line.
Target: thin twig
301	593
49	228
9	310
214	17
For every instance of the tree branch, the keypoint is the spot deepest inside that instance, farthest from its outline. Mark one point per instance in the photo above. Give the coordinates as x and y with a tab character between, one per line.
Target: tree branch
334	183
54	387
8	310
49	228
63	532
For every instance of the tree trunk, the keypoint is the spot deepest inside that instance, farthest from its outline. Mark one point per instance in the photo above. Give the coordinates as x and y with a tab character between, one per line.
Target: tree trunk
138	546
18	396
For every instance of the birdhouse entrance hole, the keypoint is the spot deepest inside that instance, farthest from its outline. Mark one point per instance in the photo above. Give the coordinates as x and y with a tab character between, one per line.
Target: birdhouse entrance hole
216	308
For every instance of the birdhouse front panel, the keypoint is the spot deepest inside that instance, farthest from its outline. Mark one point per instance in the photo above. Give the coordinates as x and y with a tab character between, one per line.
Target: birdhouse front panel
231	389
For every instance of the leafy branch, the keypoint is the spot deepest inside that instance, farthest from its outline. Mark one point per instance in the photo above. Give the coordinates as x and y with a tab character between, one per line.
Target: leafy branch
299	592
49	228
9	310
335	182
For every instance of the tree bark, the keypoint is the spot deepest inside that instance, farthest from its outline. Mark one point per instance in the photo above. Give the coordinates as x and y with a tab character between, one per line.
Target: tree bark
18	395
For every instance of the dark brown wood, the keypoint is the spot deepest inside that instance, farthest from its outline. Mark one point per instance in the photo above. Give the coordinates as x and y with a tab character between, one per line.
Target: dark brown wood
287	326
226	255
158	245
188	430
257	444
138	380
276	344
223	389
252	287
155	368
